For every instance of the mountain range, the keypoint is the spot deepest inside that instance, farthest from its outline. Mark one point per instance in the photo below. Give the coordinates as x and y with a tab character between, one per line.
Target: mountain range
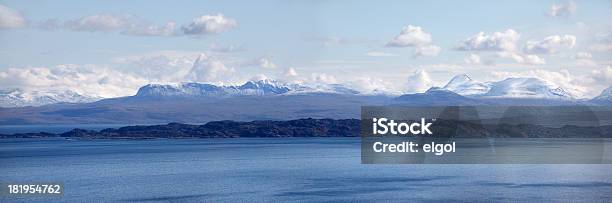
19	98
273	100
510	88
265	87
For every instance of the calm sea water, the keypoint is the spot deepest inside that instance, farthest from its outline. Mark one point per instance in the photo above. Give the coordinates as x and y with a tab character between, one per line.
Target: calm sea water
287	169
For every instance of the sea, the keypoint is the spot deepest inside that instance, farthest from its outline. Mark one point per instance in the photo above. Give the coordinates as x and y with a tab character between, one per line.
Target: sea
276	170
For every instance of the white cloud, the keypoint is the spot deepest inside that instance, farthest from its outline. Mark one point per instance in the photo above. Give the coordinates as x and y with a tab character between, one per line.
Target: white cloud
10	18
498	41
415	36
529	59
472	59
290	72
159	67
169	29
428	50
265	62
124	24
291	75
601	47
376	54
84	79
602	77
259	77
410	36
323	78
209	69
209	24
130	25
584	59
369	85
562	10
550	44
99	22
532	60
126	75
417	82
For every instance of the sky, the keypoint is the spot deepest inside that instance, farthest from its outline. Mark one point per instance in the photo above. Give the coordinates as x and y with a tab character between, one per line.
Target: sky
110	48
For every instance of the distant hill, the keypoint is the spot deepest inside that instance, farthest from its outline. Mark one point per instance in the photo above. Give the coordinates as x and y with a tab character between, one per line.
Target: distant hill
273	100
321	128
19	98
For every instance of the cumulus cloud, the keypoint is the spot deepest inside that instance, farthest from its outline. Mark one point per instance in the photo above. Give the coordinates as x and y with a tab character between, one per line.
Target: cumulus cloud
562	10
369	85
498	41
10	18
209	69
165	66
265	62
125	76
602	77
415	36
584	59
472	59
504	45
410	36
322	78
418	81
290	72
209	24
291	75
550	44
529	59
84	79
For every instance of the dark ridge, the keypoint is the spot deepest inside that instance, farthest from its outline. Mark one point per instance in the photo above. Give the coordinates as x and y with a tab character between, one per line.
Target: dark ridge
219	129
323	128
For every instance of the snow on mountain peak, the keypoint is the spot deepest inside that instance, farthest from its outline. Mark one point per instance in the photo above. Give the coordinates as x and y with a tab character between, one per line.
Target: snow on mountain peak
20	97
253	87
464	85
606	94
532	88
526	88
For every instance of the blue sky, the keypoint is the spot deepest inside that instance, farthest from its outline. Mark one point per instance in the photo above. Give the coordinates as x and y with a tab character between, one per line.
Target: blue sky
65	44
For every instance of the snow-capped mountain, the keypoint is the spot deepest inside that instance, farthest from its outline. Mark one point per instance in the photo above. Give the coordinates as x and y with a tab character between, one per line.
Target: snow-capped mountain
20	98
606	95
464	85
251	88
531	88
524	88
